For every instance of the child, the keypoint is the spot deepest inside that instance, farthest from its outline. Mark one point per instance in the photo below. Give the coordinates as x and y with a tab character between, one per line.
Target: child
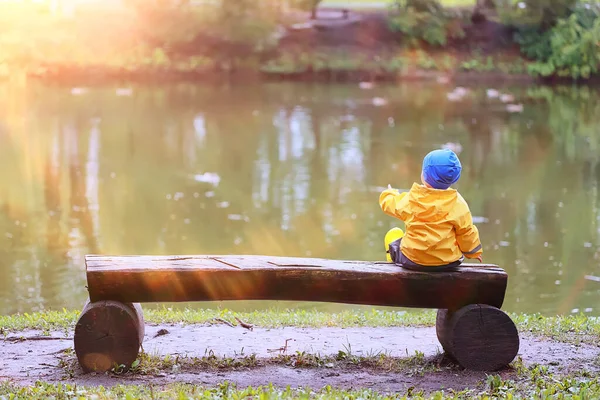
439	225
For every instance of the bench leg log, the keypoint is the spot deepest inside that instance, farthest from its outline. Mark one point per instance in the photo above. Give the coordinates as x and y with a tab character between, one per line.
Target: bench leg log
479	337
441	327
108	334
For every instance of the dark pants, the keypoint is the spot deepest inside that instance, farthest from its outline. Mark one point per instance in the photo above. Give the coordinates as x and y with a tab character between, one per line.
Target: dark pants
401	260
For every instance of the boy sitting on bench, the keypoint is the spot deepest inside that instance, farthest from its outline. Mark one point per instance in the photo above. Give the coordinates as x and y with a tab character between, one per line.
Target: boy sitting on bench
439	226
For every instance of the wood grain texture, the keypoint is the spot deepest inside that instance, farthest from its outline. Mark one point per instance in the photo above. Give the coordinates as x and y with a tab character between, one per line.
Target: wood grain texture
207	278
108	334
479	337
442	323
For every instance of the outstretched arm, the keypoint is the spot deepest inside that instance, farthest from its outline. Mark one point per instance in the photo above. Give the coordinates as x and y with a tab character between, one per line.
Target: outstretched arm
393	203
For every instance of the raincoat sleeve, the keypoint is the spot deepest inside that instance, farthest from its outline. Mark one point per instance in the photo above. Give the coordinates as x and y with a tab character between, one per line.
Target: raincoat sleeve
394	203
467	236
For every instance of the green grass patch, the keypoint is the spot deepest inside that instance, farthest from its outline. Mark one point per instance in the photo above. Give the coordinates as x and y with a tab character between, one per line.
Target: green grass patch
535	382
153	364
186	391
301	318
577	328
404	62
416	364
65	319
568	328
44	321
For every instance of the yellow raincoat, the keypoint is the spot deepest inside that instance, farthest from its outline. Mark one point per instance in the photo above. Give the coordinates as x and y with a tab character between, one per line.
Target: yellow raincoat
439	225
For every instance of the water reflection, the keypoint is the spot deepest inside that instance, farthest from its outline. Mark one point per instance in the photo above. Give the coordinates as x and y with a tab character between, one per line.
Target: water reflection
289	169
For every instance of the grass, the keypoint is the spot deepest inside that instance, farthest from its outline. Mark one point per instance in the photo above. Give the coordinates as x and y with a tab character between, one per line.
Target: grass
65	319
153	364
186	391
569	328
525	383
405	62
519	381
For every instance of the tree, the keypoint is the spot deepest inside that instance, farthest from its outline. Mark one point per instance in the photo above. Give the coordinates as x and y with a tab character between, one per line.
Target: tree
540	13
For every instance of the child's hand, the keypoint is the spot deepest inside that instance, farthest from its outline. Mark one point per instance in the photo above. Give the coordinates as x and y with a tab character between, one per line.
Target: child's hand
480	258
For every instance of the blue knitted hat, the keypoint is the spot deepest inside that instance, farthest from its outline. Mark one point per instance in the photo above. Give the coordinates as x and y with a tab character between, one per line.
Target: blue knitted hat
441	168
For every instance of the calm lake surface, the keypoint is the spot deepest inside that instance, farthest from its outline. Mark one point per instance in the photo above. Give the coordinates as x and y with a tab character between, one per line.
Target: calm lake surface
290	169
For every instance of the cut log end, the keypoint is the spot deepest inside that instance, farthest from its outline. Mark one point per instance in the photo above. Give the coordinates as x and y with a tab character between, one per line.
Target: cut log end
479	337
108	334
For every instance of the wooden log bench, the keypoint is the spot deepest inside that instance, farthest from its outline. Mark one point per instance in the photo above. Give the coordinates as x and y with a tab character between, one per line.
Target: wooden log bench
470	325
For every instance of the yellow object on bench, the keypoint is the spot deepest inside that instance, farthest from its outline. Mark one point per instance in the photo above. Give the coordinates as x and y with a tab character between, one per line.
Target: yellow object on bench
391	236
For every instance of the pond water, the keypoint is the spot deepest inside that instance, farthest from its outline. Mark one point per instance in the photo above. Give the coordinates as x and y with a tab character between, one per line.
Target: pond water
290	169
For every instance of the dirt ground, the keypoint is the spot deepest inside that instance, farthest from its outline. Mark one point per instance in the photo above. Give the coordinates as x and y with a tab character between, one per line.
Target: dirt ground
28	357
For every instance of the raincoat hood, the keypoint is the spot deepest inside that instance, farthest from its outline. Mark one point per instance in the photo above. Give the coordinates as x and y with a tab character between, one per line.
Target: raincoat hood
430	204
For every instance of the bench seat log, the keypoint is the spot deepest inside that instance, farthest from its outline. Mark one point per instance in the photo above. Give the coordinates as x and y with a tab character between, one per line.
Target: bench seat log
138	279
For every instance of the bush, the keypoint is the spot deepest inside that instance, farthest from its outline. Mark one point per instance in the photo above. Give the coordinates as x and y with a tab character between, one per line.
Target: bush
569	49
425	20
535	44
542	14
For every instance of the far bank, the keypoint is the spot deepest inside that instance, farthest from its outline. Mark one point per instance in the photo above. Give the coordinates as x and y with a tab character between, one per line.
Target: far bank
163	44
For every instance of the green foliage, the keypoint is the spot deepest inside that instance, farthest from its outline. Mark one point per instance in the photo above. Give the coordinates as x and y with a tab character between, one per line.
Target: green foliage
499	387
534	43
568	49
424	61
337	61
538	13
517	66
246	21
447	63
425	20
478	64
